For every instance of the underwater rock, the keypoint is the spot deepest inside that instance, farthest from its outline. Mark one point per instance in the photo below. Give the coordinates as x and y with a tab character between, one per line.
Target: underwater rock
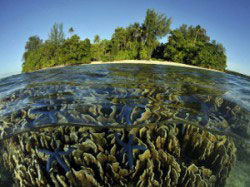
171	158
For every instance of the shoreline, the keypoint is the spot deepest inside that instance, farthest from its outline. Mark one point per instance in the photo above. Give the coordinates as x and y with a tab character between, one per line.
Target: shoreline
168	63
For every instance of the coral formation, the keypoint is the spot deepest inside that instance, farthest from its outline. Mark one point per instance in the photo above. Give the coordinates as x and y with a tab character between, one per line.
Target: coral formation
194	158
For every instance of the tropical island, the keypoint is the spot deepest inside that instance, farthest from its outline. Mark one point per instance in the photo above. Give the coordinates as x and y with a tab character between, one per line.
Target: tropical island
139	41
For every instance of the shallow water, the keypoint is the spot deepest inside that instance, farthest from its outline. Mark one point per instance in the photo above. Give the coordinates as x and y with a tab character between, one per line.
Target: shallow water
127	96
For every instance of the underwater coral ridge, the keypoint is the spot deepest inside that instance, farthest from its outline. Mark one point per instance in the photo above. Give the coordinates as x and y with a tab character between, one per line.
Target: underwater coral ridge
202	159
56	155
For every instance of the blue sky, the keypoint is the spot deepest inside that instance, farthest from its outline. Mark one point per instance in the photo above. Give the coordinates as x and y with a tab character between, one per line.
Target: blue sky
226	21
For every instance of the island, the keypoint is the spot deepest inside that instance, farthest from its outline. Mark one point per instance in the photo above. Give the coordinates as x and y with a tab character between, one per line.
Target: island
188	45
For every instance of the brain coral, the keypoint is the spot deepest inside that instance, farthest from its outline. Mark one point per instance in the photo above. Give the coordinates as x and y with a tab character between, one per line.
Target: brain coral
173	157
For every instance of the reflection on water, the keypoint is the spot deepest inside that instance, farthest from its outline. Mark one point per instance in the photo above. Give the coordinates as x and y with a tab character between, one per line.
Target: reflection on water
179	115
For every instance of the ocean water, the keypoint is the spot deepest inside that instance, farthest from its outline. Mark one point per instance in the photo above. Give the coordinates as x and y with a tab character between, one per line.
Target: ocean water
124	125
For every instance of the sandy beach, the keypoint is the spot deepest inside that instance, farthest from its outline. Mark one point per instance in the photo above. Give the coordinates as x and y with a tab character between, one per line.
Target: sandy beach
168	63
152	62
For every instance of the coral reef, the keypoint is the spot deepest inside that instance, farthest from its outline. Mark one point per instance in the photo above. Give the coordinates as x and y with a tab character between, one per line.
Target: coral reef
195	158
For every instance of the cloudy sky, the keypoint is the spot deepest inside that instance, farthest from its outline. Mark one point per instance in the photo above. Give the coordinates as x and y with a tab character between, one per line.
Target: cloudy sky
226	21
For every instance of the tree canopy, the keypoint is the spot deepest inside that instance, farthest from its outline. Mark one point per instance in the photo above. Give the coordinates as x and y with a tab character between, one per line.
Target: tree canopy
56	34
191	45
140	41
33	43
155	26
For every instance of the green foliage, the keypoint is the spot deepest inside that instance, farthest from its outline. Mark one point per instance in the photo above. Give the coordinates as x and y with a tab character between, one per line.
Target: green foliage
119	38
74	51
96	39
189	45
101	51
40	58
134	33
133	50
96	50
155	26
56	34
105	48
122	55
32	44
212	56
144	54
139	41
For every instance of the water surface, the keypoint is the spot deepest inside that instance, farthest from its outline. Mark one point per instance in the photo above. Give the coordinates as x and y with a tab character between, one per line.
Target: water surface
125	96
212	100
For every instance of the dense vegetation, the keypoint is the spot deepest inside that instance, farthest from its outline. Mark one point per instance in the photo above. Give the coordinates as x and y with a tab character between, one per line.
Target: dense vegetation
189	45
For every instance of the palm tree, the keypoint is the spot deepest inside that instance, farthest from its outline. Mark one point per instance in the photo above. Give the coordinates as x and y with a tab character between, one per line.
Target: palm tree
97	39
71	30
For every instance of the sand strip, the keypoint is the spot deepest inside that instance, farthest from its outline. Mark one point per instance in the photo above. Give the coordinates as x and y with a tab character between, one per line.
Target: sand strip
153	62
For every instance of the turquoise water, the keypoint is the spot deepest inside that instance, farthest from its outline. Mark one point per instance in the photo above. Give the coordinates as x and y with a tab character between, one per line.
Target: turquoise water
123	96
